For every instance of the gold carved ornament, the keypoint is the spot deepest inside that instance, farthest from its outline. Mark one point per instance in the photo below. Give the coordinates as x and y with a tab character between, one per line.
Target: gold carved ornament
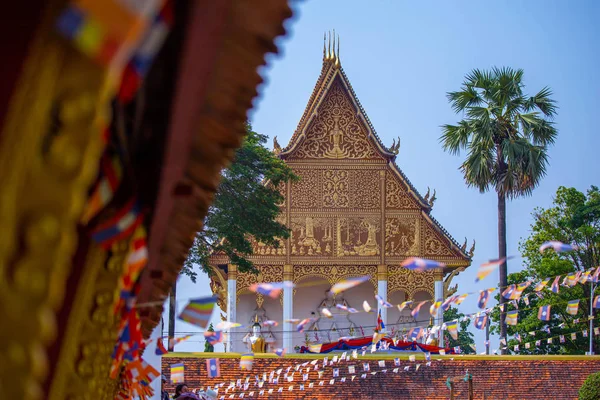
402	236
433	245
397	195
410	282
48	159
83	369
336	132
334	274
305	193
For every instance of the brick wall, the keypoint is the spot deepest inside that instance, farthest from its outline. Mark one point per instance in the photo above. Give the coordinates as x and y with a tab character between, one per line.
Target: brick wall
517	377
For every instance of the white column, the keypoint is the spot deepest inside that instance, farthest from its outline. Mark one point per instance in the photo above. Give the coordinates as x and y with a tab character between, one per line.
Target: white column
231	305
288	307
382	289
439	294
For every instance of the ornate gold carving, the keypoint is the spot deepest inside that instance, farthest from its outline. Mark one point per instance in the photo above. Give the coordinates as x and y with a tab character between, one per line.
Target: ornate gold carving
402	236
44	179
410	282
336	131
336	273
312	236
450	290
358	236
335	189
365	191
89	339
397	195
260	300
433	244
306	192
218	285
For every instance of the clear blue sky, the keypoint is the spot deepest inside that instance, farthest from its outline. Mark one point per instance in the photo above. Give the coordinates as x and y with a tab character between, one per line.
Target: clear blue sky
402	57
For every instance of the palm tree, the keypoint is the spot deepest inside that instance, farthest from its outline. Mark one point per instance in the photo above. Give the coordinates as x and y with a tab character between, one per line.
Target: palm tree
506	135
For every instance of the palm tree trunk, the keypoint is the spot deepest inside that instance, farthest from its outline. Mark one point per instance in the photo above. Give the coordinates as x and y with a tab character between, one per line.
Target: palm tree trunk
502	254
172	311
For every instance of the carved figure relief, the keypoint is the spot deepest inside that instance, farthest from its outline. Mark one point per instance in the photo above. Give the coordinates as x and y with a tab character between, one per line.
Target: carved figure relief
433	245
397	195
364	190
306	192
401	236
335	188
336	132
311	236
357	236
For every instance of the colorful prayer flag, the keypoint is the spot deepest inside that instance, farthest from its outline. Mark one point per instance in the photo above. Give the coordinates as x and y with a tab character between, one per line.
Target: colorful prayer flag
366	306
415	311
481	321
554	288
573	307
544	313
280	352
380	324
512	317
213	367
540	286
421	264
177	373
433	310
199	311
382	302
273	290
246	361
347	284
460	299
403	305
597	302
484	296
121	225
214	337
488	267
557	246
160	348
111	173
508	292
452	327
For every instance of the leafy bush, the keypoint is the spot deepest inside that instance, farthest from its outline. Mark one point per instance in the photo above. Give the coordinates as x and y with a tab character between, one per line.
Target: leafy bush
590	390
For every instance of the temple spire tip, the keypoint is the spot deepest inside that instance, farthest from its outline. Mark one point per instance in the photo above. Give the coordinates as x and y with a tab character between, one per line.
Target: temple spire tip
330	52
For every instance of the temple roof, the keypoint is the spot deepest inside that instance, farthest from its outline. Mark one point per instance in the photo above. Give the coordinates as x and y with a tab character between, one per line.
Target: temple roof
331	78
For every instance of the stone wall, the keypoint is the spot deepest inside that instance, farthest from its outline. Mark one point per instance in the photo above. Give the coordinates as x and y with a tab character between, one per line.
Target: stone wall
499	377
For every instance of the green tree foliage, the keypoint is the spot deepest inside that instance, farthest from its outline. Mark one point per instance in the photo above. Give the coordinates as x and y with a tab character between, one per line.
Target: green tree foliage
505	134
247	204
465	337
573	218
590	390
209	348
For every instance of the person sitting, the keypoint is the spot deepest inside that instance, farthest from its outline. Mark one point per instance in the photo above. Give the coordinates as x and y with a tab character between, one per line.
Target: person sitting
183	393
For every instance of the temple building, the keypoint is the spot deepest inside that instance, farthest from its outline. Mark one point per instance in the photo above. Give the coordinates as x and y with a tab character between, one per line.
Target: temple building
352	213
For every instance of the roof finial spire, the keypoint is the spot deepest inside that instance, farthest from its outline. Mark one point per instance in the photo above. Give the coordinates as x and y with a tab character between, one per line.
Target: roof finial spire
337	59
334	57
329	54
324	50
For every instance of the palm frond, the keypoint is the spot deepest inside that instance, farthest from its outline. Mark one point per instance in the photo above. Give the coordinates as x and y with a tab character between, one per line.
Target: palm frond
478	168
455	137
542	102
468	97
541	132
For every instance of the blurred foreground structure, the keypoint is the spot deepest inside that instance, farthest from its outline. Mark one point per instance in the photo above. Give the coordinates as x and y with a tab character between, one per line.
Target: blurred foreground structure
93	152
